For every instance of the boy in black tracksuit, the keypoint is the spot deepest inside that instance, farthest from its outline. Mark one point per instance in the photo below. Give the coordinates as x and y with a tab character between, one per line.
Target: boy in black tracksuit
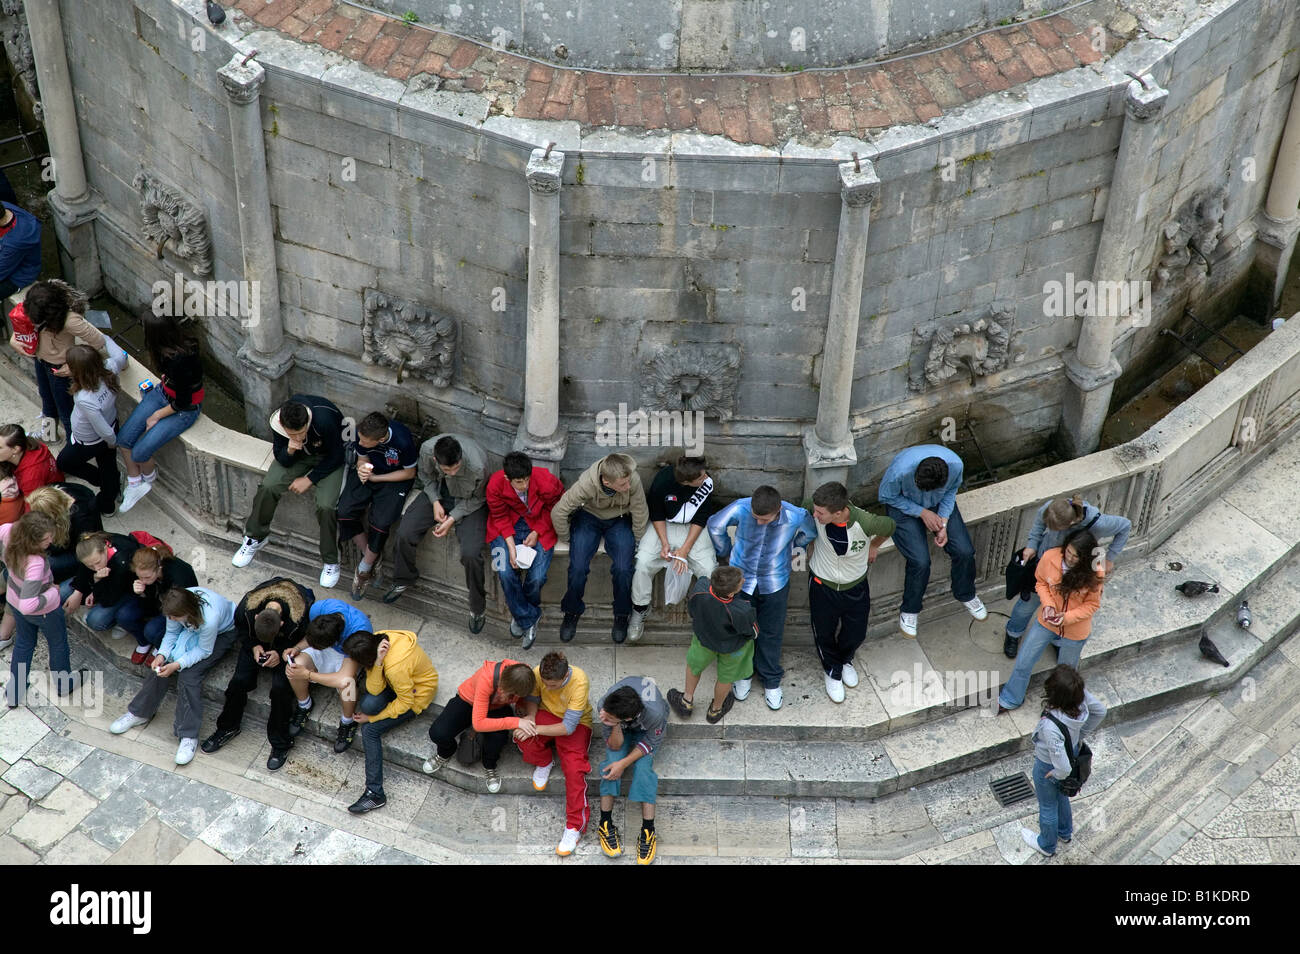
382	462
270	618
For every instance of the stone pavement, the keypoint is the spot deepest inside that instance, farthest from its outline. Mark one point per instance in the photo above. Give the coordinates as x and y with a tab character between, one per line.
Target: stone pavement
1213	781
756	108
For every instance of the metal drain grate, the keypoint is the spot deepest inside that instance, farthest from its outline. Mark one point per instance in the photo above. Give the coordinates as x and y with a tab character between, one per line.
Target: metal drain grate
1012	789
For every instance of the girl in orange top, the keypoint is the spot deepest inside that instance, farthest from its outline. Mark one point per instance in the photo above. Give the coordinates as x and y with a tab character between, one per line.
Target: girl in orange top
1069	585
485	701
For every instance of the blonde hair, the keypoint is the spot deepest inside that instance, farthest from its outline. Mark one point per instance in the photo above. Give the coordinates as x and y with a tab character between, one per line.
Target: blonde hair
615	467
56	504
91	544
1063	514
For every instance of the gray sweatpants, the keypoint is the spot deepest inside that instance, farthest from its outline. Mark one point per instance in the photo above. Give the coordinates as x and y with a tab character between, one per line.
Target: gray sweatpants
189	691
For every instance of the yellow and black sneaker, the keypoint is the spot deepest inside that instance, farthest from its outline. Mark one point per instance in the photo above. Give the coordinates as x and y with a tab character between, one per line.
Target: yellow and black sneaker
609	840
645	847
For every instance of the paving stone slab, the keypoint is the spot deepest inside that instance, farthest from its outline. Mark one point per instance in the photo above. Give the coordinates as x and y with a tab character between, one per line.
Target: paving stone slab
342	848
700	766
943	746
288	842
57	814
153	843
157	786
76	849
100	772
196	806
32	780
20	729
450	816
117	818
395	856
13	852
59	754
687	825
197	853
241	826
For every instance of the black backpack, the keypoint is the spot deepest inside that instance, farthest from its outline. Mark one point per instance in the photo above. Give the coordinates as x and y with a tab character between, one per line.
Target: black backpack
470	750
1080	766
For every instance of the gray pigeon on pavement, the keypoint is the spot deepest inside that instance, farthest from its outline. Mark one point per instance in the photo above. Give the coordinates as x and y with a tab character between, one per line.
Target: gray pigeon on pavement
1211	652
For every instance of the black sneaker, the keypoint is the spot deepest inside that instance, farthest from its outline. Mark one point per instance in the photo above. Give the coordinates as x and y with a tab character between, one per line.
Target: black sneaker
1011	646
476	622
346	734
368	802
568	628
619	630
299	718
277	759
217	739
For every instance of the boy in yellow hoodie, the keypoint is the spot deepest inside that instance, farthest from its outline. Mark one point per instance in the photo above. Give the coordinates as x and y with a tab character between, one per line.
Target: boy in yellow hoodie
400	684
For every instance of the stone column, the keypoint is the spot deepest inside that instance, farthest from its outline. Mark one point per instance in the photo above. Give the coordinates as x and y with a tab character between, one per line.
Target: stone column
265	356
541	436
828	445
1278	223
73	204
1091	368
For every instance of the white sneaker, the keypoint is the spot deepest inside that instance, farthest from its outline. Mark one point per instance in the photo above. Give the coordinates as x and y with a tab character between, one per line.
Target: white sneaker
740	689
6	643
907	623
125	723
433	764
185	751
636	625
247	550
133	494
850	676
493	781
329	575
834	689
542	775
1031	839
977	608
568	842
773	698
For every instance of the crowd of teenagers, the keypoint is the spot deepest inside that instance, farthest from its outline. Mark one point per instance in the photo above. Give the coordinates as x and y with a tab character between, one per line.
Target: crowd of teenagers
370	481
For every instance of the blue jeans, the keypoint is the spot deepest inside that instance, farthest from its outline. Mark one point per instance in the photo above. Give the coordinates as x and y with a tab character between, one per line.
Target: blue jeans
645	783
372	735
101	618
1055	819
1021	614
585	533
523	598
147	632
913	542
769	608
56	399
143	444
1038	638
55	627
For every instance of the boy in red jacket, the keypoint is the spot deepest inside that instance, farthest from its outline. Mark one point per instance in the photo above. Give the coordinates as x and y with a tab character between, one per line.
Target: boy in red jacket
519	499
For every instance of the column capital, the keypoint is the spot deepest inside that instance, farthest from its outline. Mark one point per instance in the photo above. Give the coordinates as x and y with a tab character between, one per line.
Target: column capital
272	367
1143	104
858	186
544	171
242	80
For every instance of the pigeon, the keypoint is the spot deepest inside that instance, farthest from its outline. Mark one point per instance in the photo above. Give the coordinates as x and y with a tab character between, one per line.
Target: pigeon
1196	587
1243	615
1211	652
216	15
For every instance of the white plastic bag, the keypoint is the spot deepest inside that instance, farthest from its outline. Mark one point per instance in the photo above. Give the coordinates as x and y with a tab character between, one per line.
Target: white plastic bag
676	585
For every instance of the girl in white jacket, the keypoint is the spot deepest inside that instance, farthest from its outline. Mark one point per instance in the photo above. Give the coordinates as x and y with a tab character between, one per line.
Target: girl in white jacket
92	440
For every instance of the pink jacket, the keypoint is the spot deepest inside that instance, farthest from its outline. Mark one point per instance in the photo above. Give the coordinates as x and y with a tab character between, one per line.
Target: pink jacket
31	591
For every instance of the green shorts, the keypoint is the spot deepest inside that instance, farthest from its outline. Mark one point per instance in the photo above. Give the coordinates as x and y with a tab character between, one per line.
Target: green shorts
731	666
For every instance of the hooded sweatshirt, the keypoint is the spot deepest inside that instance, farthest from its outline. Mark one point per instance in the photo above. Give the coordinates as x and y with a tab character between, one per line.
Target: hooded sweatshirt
297	601
1106	526
119	584
589	494
36	469
1049	744
408	671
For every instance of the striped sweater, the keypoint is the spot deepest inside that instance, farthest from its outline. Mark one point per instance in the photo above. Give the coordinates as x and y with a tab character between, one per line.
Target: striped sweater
31	590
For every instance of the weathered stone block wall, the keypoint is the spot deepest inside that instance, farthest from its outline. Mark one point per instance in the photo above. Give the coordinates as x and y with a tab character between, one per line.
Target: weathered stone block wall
669	242
710	34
